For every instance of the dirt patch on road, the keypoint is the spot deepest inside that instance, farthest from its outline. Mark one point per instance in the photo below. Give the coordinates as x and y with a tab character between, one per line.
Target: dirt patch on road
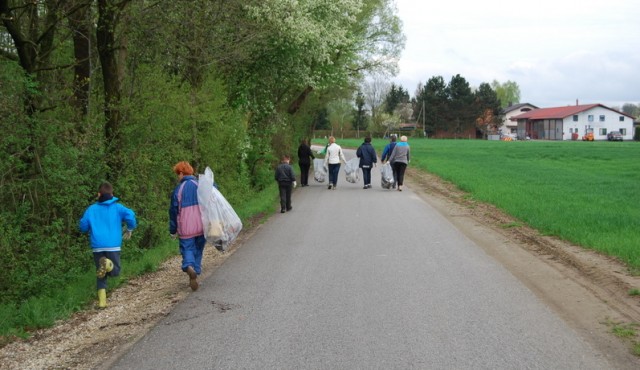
589	291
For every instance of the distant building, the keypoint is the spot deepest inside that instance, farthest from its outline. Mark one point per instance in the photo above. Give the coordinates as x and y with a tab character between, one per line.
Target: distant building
508	126
572	122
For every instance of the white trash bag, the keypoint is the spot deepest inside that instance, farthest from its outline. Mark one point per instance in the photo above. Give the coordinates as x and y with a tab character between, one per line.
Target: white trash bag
319	172
221	223
351	170
387	176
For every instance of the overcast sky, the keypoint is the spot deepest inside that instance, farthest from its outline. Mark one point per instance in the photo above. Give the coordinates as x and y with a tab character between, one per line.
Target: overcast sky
557	51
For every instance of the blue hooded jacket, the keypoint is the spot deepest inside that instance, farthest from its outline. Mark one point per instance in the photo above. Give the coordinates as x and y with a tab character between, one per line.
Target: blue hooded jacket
103	221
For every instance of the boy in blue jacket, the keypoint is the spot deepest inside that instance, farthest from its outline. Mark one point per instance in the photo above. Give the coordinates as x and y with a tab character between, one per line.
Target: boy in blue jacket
103	221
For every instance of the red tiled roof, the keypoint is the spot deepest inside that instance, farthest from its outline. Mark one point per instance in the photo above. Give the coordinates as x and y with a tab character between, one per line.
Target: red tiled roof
556	112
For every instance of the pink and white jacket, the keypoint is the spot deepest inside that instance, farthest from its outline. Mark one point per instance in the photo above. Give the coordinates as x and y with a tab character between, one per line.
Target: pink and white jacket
184	212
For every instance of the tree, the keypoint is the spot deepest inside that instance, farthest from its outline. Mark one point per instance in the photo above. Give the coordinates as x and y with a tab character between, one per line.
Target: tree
396	96
111	45
339	113
434	98
488	108
508	93
359	113
631	109
461	111
315	45
375	91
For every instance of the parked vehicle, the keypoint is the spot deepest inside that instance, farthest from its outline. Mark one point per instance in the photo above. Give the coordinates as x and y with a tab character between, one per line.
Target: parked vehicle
589	135
614	136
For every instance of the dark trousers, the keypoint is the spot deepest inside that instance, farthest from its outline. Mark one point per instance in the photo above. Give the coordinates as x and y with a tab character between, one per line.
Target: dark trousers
285	195
366	175
334	170
399	169
304	173
115	258
395	176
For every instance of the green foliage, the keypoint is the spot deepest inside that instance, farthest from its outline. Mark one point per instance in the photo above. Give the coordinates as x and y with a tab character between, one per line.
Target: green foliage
397	95
636	135
434	97
508	92
210	83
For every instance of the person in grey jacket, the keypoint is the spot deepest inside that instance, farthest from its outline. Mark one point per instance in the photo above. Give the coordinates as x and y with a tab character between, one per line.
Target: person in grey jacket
286	179
400	157
368	158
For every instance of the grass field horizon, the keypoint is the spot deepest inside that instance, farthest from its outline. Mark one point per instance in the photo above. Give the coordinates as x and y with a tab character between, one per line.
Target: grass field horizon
582	192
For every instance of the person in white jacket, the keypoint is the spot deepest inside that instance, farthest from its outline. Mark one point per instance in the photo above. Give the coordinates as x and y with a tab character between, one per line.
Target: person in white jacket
332	161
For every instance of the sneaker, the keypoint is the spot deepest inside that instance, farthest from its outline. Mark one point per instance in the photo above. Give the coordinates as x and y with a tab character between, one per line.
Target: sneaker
219	246
193	278
289	209
105	265
330	186
282	211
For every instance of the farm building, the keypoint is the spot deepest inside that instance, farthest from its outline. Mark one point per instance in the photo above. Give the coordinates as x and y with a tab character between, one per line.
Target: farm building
572	122
509	127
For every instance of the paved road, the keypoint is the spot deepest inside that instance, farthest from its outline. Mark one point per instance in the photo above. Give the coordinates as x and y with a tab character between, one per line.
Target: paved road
361	279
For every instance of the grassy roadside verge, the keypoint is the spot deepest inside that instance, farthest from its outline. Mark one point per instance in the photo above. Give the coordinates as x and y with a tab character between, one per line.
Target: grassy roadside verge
582	192
19	319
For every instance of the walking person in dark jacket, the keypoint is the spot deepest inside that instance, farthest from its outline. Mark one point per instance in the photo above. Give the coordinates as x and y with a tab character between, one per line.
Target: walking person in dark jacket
368	159
305	155
286	179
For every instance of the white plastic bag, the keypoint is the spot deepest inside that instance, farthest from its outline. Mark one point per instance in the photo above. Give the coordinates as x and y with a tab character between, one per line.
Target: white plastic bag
351	170
220	222
319	172
386	173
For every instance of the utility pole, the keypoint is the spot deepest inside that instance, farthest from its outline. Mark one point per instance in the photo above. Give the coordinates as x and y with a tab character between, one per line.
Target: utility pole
424	128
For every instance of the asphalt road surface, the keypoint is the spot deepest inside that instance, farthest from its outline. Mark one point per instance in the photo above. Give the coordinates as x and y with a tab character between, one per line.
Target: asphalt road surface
361	279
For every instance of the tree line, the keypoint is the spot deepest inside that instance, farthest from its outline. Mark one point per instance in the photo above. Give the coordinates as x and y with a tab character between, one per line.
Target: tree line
120	90
379	107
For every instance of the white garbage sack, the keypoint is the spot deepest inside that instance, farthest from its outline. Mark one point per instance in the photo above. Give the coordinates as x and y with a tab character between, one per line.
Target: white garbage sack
319	172
386	173
221	223
351	170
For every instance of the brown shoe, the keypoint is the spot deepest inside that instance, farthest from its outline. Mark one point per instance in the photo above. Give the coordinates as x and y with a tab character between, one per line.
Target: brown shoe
193	278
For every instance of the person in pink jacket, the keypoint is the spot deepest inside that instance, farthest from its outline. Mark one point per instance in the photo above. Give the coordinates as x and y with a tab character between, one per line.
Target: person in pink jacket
185	222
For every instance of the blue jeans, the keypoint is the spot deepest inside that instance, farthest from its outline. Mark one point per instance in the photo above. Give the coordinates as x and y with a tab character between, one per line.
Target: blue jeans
334	170
191	250
115	258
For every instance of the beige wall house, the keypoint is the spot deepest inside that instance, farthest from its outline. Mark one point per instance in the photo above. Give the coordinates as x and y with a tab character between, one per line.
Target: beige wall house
508	126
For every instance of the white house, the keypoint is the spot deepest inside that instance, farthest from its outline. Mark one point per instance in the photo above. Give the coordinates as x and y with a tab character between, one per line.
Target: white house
508	126
572	122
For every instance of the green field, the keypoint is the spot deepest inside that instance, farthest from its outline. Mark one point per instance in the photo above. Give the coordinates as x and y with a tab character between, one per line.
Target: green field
583	192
